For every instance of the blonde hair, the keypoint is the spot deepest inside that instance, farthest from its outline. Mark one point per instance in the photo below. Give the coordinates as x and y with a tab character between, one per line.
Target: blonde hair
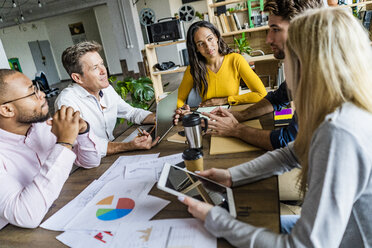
330	54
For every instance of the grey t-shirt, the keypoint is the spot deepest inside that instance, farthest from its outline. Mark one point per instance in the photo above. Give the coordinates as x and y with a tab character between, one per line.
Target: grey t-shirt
337	209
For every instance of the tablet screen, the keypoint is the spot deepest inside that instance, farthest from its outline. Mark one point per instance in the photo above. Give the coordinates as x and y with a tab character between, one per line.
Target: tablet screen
197	187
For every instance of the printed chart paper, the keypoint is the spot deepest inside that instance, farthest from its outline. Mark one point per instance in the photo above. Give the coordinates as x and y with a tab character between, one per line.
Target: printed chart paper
150	169
60	219
170	233
118	167
83	239
118	201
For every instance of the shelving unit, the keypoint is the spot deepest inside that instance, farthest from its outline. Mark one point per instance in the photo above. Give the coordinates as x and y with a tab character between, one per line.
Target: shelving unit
354	4
256	35
266	64
249	30
152	60
155	76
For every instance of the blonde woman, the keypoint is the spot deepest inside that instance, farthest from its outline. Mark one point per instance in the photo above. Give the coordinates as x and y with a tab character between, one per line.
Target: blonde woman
328	70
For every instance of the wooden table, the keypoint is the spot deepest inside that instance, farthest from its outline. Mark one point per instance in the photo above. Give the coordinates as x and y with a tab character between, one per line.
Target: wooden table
260	198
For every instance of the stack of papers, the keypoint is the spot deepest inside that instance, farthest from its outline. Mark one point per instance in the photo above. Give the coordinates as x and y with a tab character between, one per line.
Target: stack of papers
114	211
178	233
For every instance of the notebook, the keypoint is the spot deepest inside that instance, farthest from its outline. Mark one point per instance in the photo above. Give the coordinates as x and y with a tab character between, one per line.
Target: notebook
225	145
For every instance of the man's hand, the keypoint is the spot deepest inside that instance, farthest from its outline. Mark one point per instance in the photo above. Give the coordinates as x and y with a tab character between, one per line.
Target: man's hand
143	142
218	111
224	123
82	125
214	102
149	119
65	124
180	112
221	176
197	208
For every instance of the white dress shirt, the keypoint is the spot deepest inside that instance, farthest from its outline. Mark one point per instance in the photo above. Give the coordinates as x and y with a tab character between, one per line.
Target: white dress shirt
33	169
100	114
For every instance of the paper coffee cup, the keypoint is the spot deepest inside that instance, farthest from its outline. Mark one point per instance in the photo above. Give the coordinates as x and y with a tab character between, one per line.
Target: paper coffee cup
193	159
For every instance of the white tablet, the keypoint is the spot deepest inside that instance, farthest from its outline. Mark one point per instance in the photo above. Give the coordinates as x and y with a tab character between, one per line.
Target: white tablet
181	182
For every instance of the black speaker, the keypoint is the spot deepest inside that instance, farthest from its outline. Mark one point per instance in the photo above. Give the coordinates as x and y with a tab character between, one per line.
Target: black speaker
165	30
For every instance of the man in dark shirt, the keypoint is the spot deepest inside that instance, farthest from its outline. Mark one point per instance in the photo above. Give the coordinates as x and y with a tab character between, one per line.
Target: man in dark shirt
228	123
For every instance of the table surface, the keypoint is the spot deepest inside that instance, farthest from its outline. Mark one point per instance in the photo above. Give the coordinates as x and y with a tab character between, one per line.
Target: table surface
260	198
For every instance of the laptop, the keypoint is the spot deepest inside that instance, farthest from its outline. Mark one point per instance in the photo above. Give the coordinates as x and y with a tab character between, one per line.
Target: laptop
164	118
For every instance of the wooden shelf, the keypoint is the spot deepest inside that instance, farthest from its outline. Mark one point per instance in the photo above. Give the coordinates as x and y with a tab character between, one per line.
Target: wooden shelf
246	30
245	9
152	59
227	2
180	69
154	45
353	5
214	5
261	58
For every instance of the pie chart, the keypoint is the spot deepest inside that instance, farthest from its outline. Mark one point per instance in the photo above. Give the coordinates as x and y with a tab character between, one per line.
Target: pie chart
123	207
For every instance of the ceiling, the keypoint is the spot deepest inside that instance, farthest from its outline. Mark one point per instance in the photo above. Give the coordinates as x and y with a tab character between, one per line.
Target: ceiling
30	10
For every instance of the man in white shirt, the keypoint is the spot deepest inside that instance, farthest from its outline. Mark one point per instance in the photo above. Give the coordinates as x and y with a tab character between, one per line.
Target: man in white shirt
36	155
97	101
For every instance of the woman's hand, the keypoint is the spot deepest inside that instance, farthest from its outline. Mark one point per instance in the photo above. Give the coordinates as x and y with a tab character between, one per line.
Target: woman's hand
197	208
180	112
221	176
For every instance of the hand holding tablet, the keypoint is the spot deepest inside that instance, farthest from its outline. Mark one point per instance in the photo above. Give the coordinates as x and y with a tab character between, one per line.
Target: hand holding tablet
180	182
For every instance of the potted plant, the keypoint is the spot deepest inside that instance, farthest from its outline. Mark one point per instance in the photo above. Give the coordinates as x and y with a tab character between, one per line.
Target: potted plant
243	46
139	93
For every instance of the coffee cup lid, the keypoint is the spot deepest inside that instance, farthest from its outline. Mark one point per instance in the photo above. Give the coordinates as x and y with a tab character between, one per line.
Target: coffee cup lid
191	120
192	154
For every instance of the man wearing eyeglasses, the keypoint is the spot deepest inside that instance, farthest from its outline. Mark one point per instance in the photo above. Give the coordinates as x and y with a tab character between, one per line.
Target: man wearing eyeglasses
36	154
97	100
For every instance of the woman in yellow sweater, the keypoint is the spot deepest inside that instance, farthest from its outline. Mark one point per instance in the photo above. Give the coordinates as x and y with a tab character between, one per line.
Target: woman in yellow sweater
215	70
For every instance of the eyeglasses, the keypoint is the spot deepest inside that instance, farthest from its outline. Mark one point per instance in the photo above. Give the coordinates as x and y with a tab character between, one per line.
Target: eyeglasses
36	93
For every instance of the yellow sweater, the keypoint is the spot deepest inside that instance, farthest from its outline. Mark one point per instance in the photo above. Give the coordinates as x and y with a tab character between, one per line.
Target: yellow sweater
225	83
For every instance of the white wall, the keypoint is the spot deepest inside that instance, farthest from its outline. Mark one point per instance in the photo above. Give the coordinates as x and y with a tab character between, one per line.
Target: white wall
127	32
60	37
4	64
15	41
108	39
200	6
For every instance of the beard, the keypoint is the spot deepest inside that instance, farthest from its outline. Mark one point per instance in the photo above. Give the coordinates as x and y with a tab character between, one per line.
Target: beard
279	54
34	118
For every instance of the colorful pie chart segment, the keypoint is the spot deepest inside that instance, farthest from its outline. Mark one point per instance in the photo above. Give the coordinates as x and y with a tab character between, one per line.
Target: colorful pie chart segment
123	208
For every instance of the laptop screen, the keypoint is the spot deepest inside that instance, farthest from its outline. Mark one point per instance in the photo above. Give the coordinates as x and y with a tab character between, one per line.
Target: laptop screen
164	114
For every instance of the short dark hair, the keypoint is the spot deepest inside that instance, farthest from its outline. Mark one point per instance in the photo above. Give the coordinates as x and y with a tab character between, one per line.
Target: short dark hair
287	9
71	56
4	73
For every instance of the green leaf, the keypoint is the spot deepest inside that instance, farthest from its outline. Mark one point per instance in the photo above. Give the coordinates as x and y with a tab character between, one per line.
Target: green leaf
124	92
148	95
243	44
112	79
140	90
